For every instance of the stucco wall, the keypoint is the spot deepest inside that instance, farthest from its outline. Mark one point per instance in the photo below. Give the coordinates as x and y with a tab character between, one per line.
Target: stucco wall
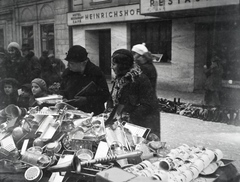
179	74
61	28
87	36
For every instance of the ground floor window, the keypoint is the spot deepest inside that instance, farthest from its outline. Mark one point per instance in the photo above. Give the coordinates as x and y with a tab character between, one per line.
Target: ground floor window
156	35
47	37
27	36
224	41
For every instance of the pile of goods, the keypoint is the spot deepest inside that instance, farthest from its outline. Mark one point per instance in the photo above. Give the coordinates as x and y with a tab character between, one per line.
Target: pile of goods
182	164
59	142
228	115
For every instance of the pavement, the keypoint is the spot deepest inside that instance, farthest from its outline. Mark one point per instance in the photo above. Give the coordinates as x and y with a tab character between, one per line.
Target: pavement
177	129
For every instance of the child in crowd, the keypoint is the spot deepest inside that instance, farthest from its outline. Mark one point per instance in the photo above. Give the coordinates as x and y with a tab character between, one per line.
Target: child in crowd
9	92
39	89
25	96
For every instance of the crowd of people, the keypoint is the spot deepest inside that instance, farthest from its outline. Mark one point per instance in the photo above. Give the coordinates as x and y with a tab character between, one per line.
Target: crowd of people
82	84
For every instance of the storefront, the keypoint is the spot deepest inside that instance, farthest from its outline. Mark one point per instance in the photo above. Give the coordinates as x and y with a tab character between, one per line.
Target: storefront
184	33
200	30
102	31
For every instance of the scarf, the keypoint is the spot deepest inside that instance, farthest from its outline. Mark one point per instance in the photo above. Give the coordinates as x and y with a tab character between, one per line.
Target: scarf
120	82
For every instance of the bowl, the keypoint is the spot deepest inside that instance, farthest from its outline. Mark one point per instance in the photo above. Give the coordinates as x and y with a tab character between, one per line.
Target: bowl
84	154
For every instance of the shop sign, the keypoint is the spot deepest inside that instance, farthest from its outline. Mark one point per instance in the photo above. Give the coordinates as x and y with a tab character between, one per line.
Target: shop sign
154	6
77	2
115	14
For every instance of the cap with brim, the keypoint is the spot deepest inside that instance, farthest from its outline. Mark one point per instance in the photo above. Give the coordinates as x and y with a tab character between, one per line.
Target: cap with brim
51	55
76	53
27	87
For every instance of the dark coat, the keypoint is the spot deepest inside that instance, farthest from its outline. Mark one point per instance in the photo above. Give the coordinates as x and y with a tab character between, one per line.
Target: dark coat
24	70
140	102
150	71
73	82
5	100
24	102
32	63
214	78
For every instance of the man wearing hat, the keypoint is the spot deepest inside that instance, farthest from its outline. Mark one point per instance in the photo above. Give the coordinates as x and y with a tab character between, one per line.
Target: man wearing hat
83	83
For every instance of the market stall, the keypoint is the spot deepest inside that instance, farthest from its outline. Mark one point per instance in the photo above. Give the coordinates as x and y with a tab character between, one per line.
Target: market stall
60	143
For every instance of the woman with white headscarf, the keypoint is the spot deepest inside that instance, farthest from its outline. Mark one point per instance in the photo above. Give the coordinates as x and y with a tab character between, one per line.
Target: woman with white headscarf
15	65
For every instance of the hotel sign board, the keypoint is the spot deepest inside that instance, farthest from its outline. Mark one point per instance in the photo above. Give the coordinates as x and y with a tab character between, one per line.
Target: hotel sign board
154	6
106	15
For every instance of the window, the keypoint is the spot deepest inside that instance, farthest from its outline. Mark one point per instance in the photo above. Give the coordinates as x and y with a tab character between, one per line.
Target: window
47	37
156	35
224	42
27	36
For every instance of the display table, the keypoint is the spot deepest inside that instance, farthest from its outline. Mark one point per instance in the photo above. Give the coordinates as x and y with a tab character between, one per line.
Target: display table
63	144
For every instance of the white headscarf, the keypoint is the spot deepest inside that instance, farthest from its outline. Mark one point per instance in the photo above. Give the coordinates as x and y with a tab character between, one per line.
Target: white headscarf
15	45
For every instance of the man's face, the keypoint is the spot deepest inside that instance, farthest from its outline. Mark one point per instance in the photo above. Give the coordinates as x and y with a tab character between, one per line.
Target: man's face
25	52
77	66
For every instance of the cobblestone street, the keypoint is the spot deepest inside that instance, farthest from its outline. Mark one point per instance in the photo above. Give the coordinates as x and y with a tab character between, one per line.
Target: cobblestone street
177	130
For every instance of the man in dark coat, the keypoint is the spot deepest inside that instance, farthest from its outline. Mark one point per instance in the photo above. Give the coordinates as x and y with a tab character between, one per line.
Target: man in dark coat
80	73
31	62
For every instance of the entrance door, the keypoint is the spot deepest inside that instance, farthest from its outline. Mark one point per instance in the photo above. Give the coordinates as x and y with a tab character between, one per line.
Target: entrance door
105	52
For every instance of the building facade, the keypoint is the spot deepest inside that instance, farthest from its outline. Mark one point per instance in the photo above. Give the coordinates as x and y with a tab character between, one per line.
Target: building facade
40	23
201	29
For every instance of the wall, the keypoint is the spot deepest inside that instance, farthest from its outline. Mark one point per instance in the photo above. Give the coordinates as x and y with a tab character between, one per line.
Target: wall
179	74
26	12
61	28
87	36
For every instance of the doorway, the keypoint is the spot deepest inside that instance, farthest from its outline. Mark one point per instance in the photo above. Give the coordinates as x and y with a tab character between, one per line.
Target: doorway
105	52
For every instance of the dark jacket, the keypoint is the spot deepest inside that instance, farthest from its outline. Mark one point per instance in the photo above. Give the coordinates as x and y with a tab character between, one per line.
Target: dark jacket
33	64
52	74
24	102
5	100
140	102
73	82
17	69
24	70
214	78
150	71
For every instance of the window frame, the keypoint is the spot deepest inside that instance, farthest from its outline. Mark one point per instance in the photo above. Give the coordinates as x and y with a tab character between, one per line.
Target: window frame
28	40
47	41
146	33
